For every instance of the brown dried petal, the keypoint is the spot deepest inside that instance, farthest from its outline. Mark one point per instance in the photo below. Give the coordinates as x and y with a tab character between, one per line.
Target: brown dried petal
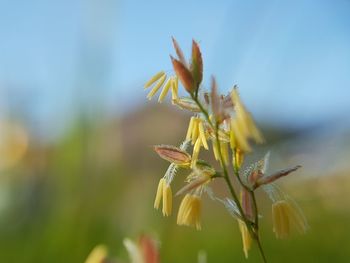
275	176
179	52
194	184
183	74
215	100
173	154
187	104
247	203
196	64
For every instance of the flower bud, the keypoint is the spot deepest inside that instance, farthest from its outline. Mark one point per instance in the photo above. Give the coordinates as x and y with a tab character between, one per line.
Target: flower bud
184	75
173	154
196	64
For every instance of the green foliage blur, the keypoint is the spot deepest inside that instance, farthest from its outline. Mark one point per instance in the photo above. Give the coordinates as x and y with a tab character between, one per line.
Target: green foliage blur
96	184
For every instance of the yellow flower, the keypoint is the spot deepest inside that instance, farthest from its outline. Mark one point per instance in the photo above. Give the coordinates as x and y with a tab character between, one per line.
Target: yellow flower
159	194
159	81
174	89
224	152
164	192
196	130
285	215
246	238
238	158
97	255
196	149
167	200
243	126
190	211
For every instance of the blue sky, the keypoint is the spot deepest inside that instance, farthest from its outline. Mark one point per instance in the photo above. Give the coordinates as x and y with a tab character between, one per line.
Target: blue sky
291	59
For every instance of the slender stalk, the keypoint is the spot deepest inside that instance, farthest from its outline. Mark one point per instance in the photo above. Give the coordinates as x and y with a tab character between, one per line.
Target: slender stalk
255	234
222	163
257	239
253	227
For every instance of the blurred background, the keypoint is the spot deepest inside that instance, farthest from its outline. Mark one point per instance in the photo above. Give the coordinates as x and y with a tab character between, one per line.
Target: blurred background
76	164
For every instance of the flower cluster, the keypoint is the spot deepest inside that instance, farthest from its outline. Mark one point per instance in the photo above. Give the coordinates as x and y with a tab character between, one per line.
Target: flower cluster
224	121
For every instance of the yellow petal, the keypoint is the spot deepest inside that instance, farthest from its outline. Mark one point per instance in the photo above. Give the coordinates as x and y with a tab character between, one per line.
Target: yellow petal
202	135
156	87
165	91
190	128
175	88
154	79
167	200
196	149
159	194
195	131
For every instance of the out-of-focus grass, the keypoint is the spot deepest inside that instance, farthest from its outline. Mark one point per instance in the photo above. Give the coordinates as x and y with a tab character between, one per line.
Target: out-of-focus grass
63	199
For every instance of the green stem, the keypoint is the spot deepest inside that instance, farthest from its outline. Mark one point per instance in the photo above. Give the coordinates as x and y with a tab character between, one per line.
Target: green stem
257	239
222	163
253	227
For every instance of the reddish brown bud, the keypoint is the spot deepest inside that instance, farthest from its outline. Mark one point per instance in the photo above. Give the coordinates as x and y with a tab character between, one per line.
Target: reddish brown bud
215	100
183	74
275	176
179	52
247	204
196	64
173	154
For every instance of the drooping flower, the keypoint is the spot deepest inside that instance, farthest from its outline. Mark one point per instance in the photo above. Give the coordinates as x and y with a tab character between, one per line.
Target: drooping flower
196	130
243	126
246	238
164	192
286	215
190	211
167	200
159	81
178	158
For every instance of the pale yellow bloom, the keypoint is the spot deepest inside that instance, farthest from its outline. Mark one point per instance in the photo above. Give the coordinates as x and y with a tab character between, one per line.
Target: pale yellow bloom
224	152
238	158
159	194
155	78
156	87
97	255
243	126
246	238
190	211
190	128
160	80
164	192
165	90
196	130
241	140
285	215
196	150
202	135
174	89
215	150
167	200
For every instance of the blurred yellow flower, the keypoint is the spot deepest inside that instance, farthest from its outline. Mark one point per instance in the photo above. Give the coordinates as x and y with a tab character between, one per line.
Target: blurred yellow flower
190	211
285	215
246	238
97	255
164	192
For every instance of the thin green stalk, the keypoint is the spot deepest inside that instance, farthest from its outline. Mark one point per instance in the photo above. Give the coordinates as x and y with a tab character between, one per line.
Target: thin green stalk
222	163
257	239
255	234
254	231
